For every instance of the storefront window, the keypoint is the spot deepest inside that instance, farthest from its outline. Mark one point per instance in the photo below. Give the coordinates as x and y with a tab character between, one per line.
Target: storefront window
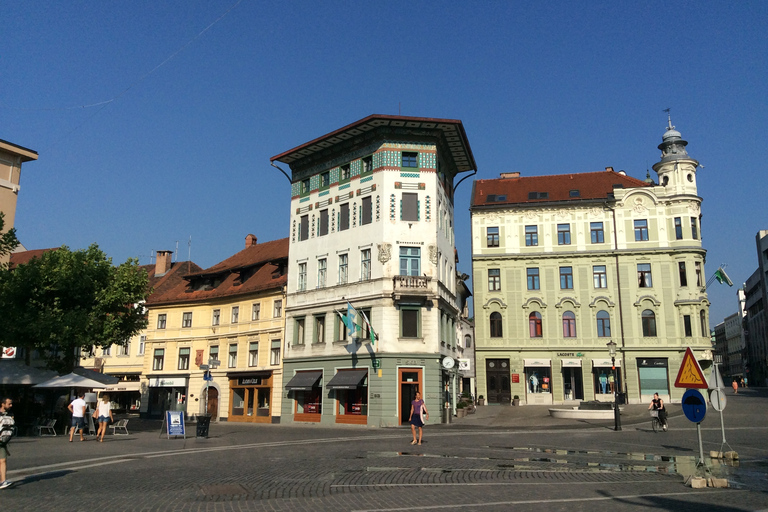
308	402
353	401
606	380
539	379
653	375
238	401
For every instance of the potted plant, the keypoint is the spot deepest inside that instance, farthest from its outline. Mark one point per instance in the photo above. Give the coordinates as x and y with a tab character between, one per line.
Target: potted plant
461	410
516	400
481	400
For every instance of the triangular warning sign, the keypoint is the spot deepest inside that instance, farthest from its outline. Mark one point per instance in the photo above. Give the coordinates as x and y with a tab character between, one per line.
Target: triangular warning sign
690	374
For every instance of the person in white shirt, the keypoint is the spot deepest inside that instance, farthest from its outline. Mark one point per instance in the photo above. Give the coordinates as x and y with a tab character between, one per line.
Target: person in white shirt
77	408
104	410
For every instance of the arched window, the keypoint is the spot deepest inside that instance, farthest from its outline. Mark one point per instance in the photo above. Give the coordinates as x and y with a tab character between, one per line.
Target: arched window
467	341
496	325
603	324
704	327
569	325
534	323
649	323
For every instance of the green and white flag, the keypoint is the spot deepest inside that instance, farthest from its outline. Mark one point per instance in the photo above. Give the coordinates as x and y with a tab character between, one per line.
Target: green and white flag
722	277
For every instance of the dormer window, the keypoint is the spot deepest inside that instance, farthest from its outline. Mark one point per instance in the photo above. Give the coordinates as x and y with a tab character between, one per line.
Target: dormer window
538	195
574	193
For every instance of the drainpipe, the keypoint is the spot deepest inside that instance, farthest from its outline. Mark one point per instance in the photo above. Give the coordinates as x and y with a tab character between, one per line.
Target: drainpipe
622	371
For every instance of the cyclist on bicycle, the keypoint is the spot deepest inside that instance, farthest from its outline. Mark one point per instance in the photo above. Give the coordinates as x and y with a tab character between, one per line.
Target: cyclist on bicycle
657	404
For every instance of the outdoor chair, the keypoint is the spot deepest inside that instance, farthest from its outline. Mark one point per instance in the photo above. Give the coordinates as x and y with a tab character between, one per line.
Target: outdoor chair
47	427
120	425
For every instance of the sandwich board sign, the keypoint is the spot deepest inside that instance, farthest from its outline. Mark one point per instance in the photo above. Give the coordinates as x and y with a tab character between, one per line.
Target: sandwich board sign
690	374
174	424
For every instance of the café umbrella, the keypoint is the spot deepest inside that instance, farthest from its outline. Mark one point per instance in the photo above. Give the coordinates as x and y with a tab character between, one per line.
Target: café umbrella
73	380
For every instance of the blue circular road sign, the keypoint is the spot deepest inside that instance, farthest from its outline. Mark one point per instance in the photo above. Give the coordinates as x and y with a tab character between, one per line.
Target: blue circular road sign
694	405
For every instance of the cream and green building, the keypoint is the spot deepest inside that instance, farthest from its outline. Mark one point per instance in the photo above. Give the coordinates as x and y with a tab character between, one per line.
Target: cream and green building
565	264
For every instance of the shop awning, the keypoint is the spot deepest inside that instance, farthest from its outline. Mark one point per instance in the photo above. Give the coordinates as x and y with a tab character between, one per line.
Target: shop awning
347	379
570	363
14	372
602	363
537	362
304	381
124	386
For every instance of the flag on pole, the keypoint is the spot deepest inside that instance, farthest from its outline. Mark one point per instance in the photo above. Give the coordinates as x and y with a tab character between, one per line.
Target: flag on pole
371	332
722	277
345	320
351	315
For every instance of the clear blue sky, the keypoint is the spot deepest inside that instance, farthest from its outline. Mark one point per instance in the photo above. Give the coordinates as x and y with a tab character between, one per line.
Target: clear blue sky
183	149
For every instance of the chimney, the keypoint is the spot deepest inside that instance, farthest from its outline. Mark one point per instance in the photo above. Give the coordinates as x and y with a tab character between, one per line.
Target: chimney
609	169
510	174
162	262
250	241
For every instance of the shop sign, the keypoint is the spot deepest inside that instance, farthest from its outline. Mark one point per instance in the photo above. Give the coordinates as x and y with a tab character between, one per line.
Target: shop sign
652	362
515	378
249	381
168	382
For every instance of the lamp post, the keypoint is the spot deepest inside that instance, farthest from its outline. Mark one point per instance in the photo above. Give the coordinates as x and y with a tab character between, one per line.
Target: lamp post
616	411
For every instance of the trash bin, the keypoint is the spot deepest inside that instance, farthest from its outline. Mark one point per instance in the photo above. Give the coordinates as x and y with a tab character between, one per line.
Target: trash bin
447	415
203	422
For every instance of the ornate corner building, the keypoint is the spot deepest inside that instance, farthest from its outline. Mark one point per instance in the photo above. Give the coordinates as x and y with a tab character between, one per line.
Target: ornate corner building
564	264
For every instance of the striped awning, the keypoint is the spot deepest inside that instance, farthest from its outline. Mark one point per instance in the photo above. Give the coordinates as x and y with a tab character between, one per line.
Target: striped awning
570	363
602	363
537	362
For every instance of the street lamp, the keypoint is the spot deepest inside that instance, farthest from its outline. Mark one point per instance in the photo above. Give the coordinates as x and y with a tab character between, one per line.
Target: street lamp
616	411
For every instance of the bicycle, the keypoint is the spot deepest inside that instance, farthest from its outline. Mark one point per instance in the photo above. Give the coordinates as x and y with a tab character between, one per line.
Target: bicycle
656	424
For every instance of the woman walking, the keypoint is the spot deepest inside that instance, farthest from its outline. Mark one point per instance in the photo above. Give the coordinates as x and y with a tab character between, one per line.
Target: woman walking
416	407
104	415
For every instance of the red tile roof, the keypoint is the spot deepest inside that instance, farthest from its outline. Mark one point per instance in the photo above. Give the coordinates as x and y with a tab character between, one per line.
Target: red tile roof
255	268
591	185
23	257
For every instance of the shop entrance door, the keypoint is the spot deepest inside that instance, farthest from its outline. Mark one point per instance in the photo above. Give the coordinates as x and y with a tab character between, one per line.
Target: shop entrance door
497	378
213	402
410	383
573	387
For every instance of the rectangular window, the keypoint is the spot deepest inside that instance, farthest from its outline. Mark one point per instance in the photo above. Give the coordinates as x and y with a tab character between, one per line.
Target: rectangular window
343	268
319	334
683	274
367	164
340	328
255	312
492	237
161	321
274	354
344	175
644	275
235	314
106	351
641	230
253	353
365	331
322	271
365	264
600	276
216	317
184	358
494	279
157	360
410	261
323	227
410	159
232	360
278	309
366	216
304	227
678	228
142	344
563	234
694	229
699	276
302	277
186	319
687	326
531	236
325	180
298	337
305	186
566	278
533	278
409	207
409	322
596	232
213	352
344	217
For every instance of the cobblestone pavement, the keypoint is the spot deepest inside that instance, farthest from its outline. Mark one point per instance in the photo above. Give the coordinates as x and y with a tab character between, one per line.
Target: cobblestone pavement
463	466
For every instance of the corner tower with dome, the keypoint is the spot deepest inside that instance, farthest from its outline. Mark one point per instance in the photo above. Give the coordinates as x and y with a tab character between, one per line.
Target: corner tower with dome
565	264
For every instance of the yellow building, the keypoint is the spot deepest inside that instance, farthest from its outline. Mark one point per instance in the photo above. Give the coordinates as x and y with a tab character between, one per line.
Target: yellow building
11	158
229	316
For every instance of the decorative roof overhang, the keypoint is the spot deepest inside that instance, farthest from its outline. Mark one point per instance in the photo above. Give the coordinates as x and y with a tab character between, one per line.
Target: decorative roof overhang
448	134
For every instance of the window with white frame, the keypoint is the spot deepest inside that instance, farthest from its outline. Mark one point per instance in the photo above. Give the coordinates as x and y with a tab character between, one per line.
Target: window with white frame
600	276
186	319
319	333
302	277
277	312
274	354
365	264
644	275
142	345
157	360
235	314
161	319
410	261
322	270
492	236
232	360
255	311
184	358
343	268
216	318
298	332
253	353
494	279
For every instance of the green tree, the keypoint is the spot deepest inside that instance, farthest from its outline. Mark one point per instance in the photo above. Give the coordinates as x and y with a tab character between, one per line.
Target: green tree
8	241
69	300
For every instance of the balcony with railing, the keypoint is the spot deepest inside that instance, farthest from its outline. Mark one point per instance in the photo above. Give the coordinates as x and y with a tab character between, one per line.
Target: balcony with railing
418	287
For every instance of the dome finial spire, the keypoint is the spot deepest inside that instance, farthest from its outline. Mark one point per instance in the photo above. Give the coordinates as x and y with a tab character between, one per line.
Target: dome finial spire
669	119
